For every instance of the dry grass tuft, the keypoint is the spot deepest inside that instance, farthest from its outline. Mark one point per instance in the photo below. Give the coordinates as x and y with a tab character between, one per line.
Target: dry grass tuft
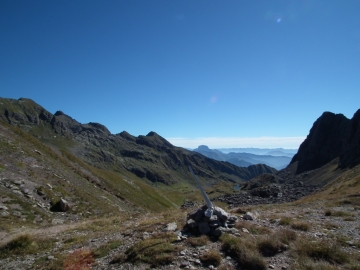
285	236
301	226
198	241
323	250
211	257
277	242
308	264
157	250
24	244
341	214
285	221
244	251
269	247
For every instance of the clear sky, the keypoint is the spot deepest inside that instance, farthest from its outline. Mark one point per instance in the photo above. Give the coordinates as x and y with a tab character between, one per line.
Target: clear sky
240	73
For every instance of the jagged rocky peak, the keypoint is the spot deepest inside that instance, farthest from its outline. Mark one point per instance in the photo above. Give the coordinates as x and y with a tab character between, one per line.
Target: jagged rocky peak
331	136
64	124
59	113
350	156
97	127
127	136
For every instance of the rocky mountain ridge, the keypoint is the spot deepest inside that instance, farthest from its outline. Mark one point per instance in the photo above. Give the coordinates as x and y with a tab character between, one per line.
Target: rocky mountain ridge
331	136
150	157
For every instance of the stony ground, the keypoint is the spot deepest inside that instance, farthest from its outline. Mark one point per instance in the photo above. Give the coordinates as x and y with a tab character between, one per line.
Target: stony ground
338	222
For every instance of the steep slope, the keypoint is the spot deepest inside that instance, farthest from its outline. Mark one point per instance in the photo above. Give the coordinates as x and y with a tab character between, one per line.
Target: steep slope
331	136
149	157
34	176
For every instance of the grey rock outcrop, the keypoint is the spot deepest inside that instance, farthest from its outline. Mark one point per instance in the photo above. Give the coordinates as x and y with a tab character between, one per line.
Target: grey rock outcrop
60	206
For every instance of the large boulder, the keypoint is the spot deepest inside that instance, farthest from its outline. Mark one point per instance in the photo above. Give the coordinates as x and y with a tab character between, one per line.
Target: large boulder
60	206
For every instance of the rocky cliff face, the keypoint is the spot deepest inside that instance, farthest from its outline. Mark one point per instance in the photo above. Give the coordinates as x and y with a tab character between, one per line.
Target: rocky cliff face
331	136
150	157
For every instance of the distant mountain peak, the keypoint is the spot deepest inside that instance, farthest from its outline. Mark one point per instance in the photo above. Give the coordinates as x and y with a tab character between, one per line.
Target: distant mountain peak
203	148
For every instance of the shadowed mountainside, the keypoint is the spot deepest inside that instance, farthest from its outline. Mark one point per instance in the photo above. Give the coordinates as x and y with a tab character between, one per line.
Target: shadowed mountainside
331	136
148	157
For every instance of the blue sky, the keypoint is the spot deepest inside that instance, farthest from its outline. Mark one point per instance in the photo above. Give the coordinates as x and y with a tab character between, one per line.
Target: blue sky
241	73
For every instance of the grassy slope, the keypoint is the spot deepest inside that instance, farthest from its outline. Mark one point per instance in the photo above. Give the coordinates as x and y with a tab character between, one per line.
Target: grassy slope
24	157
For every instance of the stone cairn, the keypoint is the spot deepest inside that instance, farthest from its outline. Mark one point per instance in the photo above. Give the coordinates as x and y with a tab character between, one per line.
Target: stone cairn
220	221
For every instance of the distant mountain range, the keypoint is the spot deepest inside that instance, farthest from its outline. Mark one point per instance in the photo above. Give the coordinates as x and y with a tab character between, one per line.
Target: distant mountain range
261	151
244	157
